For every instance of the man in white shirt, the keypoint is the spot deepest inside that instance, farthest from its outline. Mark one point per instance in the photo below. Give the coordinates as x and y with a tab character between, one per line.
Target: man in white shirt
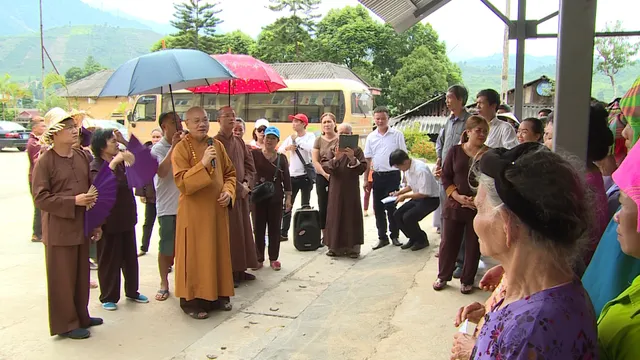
501	133
386	179
167	195
299	144
423	193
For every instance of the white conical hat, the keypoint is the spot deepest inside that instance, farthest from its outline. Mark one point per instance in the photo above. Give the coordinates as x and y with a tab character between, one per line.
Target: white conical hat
53	119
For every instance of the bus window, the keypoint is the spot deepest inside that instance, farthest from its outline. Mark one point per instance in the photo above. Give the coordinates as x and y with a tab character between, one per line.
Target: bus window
361	103
145	109
275	107
315	103
182	102
212	102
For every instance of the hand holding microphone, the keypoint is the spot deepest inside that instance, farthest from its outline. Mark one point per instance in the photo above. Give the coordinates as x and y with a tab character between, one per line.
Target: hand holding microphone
209	156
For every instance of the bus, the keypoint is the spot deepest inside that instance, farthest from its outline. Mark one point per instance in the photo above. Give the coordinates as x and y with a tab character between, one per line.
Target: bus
350	100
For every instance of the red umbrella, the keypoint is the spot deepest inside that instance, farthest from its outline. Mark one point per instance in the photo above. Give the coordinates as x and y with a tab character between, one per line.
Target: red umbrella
254	77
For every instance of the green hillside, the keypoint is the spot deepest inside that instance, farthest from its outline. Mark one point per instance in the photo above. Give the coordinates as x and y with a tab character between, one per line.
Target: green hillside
483	73
70	45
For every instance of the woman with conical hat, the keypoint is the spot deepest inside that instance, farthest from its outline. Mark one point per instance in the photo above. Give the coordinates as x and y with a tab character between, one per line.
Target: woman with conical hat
61	184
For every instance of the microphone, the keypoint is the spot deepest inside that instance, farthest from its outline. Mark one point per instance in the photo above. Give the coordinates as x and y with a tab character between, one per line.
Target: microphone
213	161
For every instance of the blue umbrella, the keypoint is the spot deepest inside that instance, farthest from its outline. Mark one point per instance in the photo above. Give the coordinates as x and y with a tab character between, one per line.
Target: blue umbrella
164	71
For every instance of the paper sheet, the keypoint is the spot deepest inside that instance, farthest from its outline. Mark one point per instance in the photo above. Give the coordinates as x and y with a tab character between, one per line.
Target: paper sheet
389	199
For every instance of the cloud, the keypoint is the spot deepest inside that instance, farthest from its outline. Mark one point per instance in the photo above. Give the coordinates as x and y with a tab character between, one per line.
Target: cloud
468	27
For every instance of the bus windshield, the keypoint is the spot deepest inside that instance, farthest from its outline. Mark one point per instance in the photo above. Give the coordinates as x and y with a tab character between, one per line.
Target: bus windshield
361	103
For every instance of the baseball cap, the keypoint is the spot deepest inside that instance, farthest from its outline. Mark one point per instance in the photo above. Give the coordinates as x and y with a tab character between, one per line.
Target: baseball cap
301	117
261	122
272	130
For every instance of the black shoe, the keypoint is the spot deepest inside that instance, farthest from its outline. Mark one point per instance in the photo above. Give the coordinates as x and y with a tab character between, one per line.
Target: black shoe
284	238
396	242
77	334
457	273
426	238
95	321
409	244
381	244
419	246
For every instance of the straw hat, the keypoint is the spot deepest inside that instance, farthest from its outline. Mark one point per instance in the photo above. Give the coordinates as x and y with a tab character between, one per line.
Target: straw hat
53	120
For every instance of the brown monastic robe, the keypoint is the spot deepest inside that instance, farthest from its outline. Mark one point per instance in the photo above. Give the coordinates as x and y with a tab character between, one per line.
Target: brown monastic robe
243	246
344	231
202	254
56	182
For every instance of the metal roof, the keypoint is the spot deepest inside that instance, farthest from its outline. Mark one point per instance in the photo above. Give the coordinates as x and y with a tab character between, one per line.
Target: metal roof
91	85
403	14
426	124
316	70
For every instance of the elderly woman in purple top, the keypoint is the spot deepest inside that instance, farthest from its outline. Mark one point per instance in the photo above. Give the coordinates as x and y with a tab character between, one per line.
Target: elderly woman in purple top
532	218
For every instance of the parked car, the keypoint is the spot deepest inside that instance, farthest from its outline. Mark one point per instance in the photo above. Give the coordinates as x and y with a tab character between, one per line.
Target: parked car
13	135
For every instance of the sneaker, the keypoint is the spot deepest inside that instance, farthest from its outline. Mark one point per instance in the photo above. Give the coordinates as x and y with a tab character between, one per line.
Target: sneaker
140	299
142	253
275	265
109	306
93	265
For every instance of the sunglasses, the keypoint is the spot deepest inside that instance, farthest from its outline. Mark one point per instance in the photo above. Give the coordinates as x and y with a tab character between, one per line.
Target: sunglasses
261	129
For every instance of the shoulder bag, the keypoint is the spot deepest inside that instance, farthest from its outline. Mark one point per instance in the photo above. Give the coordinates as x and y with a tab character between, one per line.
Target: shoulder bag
308	168
267	189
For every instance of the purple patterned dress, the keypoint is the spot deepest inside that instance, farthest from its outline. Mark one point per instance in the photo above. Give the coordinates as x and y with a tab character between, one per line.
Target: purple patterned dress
553	324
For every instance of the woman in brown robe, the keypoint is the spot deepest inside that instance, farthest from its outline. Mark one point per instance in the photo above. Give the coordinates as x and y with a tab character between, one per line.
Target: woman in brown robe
323	152
60	184
269	165
344	231
204	279
117	251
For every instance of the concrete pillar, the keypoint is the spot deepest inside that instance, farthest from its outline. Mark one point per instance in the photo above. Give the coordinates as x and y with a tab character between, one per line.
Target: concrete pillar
576	29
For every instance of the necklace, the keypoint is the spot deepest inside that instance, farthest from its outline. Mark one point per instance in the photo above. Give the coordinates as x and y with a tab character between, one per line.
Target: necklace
193	152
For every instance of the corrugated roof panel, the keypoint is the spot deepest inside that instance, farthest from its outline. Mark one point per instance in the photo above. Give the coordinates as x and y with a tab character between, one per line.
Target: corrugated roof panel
400	14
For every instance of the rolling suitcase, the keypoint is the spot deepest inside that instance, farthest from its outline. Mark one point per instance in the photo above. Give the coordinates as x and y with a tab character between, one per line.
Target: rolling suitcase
306	229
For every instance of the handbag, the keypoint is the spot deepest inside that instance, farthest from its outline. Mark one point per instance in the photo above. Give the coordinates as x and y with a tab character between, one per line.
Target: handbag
308	168
267	189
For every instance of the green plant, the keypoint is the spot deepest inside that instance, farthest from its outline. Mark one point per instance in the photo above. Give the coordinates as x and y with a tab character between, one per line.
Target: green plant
425	149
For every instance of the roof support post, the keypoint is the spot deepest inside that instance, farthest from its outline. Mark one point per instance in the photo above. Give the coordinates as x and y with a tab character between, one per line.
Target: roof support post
576	30
521	35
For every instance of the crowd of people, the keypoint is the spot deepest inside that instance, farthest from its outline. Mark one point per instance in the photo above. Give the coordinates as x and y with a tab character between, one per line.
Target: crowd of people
496	189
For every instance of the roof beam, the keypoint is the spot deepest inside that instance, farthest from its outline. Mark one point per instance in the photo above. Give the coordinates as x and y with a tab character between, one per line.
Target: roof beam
498	13
548	17
598	34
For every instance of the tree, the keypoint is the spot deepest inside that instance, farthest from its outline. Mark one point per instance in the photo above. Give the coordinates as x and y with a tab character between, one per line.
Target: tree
53	82
192	18
347	36
235	42
91	66
283	41
298	27
73	74
10	94
169	43
422	75
614	54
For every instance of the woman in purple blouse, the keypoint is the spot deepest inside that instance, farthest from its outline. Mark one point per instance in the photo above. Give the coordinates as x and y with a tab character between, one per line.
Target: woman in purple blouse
533	218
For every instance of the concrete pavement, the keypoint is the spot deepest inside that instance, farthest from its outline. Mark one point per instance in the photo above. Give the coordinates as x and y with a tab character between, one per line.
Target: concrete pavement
378	307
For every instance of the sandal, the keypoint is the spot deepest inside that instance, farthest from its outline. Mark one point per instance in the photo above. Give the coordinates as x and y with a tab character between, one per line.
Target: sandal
162	295
199	315
331	253
439	284
225	303
466	289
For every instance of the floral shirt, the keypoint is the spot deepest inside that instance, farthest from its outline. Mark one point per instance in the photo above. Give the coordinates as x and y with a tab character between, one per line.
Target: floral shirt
554	324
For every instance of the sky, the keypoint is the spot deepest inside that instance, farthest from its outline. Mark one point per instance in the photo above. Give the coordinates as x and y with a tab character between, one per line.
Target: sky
467	26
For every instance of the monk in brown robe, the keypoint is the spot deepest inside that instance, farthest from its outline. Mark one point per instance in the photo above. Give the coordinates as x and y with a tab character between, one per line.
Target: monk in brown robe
206	179
344	231
243	246
60	185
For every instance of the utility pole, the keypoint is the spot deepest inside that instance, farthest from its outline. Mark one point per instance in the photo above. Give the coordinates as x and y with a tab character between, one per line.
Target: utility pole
44	93
505	56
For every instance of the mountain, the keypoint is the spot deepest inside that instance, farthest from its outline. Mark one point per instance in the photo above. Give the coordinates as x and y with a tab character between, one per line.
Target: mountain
18	17
69	46
486	72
